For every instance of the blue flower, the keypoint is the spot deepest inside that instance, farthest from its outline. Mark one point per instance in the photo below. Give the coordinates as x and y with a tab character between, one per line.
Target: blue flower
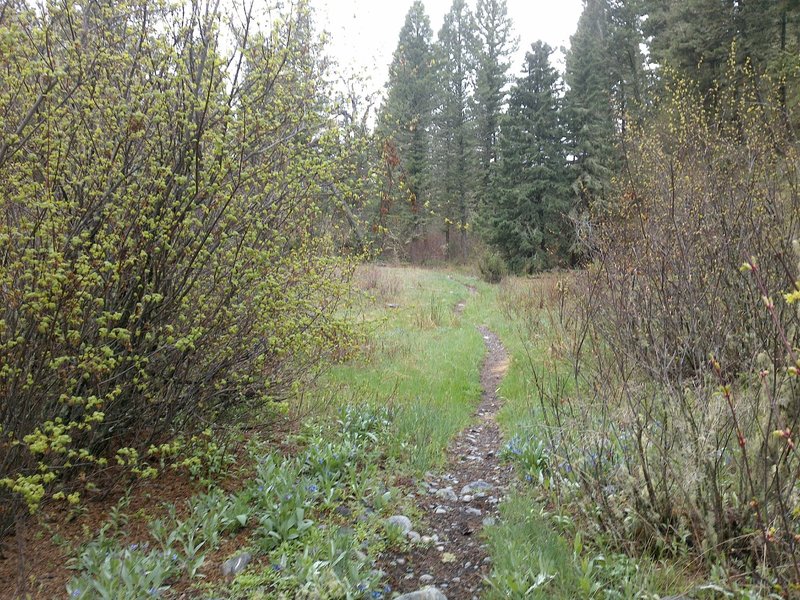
277	567
362	587
75	593
377	594
133	547
312	488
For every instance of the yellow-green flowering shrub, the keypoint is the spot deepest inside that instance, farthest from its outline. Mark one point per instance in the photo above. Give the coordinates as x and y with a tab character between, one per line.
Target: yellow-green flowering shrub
162	173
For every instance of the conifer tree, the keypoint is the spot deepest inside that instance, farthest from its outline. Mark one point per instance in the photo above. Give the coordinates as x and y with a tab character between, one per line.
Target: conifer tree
454	154
405	119
530	224
495	46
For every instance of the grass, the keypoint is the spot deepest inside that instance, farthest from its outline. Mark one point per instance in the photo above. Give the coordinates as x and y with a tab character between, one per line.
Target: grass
423	360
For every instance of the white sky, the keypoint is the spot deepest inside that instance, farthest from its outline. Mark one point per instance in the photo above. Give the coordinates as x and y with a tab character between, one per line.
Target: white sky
364	32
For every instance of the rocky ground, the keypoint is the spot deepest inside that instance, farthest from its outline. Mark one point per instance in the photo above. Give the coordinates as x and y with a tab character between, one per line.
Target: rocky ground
451	559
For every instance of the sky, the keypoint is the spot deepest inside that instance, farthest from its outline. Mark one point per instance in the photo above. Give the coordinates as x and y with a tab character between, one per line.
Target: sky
363	33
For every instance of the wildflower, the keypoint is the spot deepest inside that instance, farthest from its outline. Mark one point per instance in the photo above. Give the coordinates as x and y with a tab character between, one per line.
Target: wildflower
377	594
312	488
276	567
75	593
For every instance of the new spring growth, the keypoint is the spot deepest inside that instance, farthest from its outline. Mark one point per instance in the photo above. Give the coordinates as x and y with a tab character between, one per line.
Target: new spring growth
785	434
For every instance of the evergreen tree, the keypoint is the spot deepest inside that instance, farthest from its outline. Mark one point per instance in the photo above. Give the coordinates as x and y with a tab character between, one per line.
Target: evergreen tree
530	224
495	46
454	153
604	73
696	37
405	118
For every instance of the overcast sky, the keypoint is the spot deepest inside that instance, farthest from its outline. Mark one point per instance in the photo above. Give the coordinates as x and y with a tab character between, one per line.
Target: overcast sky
364	32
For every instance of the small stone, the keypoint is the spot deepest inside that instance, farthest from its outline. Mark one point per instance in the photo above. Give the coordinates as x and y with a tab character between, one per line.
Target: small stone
473	511
479	486
440	510
489	521
426	539
427	578
401	561
413	537
400	521
428	593
448	557
235	565
466	498
447	494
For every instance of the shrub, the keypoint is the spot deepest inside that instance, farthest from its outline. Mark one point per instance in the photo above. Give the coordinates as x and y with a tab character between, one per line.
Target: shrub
492	267
161	258
677	431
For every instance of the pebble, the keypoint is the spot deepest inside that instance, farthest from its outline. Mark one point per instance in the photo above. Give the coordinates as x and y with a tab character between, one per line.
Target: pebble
428	593
447	494
401	521
476	486
466	498
473	511
235	565
440	510
489	521
413	537
427	578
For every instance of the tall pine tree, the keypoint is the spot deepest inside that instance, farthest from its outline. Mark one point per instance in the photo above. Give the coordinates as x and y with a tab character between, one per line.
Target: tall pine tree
604	75
454	155
530	224
405	119
495	46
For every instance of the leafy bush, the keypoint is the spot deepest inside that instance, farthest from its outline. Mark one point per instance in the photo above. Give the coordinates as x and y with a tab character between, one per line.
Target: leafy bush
492	267
161	255
674	429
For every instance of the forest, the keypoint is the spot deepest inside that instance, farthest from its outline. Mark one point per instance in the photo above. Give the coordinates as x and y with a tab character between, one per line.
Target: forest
502	330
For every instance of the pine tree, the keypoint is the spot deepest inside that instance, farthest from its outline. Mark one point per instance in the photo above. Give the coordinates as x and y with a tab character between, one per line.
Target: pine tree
696	37
530	224
454	155
495	46
405	119
604	74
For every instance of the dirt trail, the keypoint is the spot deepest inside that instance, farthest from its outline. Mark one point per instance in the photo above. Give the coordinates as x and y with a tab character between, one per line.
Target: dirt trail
461	500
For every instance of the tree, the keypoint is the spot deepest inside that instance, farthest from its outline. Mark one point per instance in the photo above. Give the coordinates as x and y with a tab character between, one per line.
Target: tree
454	152
604	75
495	46
530	224
697	37
405	119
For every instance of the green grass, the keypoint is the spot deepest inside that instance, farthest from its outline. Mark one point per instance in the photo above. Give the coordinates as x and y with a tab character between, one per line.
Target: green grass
422	359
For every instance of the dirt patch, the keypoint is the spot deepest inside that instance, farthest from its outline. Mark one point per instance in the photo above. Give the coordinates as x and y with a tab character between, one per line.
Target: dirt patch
460	501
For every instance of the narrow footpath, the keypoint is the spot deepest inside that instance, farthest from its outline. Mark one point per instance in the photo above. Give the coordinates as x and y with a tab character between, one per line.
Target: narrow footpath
452	561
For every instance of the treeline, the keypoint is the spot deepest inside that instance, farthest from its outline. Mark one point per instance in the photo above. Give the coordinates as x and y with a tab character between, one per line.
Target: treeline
520	156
